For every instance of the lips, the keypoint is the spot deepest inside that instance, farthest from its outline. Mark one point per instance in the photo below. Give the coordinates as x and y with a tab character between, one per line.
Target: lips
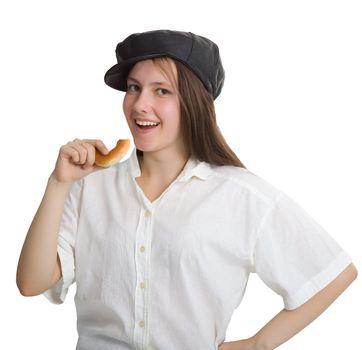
146	122
145	128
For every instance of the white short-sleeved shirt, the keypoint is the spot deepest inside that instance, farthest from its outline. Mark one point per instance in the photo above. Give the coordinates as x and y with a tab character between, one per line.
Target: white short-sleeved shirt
169	274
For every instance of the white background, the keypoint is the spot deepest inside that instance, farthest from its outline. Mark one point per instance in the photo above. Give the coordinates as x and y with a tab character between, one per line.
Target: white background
290	109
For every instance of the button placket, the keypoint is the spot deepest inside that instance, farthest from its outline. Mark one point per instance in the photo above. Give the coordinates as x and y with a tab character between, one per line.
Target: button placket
142	256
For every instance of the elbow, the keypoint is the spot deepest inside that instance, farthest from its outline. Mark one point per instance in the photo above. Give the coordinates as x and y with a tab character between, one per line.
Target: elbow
353	272
27	289
25	292
33	286
350	273
21	286
28	292
347	277
22	282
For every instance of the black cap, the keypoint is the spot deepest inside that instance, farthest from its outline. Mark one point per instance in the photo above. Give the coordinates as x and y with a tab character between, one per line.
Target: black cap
198	53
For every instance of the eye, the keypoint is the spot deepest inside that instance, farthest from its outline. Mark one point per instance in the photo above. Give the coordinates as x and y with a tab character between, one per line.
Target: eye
132	88
162	91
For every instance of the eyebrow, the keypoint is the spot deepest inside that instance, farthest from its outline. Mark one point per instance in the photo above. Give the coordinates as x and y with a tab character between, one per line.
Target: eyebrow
153	83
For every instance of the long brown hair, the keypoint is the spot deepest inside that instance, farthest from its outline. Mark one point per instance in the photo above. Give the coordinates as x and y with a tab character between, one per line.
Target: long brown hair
199	129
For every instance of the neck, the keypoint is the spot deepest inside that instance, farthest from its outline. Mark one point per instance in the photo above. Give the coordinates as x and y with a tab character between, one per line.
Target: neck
162	166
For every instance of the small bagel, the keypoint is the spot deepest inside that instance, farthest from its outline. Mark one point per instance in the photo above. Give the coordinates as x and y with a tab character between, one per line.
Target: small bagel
114	156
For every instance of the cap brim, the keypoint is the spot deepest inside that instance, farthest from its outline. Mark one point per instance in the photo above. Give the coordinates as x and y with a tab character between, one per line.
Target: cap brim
116	76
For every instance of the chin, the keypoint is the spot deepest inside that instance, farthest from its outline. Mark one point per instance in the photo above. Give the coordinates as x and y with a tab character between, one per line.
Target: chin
144	148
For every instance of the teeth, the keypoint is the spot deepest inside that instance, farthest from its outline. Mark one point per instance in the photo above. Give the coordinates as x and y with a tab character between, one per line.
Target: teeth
146	123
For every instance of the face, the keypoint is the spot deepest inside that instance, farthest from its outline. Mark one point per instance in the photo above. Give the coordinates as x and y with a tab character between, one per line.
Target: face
151	98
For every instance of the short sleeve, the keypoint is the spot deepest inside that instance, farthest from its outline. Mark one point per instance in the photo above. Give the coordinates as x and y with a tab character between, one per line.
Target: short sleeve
294	255
66	242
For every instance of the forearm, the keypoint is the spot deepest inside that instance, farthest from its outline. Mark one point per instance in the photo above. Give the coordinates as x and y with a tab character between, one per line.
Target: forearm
39	253
288	323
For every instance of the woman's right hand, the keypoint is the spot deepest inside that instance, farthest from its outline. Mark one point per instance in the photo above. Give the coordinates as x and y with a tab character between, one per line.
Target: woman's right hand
76	160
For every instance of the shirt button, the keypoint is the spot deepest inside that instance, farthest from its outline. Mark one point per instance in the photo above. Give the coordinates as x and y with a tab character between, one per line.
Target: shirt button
141	324
142	285
142	249
147	213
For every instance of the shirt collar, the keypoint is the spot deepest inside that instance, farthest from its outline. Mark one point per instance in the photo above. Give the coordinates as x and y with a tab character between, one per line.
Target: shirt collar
193	167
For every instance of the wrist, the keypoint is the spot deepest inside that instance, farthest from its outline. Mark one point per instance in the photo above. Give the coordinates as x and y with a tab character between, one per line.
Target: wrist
258	344
253	343
59	185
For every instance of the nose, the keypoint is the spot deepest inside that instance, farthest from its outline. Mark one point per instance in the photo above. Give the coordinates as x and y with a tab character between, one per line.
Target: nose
143	102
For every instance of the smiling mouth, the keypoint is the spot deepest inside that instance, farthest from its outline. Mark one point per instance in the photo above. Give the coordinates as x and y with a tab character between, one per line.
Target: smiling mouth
146	124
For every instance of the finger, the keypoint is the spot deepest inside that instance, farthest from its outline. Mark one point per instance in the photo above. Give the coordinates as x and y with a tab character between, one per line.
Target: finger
70	153
99	145
90	155
81	150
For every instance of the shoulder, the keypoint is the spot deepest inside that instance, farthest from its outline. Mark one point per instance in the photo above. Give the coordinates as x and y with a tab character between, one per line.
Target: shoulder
244	180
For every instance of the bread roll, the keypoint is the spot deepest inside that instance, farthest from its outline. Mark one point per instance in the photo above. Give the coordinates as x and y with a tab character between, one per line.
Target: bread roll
114	156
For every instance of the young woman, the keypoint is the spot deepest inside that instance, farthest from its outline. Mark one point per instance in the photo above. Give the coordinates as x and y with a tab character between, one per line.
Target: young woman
162	244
